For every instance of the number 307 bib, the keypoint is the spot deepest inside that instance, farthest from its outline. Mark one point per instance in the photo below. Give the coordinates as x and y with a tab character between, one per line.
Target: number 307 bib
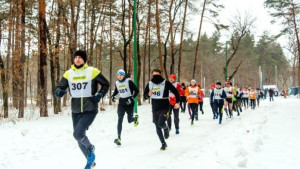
80	83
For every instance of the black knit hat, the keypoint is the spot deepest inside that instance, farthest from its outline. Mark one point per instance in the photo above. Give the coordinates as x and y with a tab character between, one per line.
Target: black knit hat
219	83
81	53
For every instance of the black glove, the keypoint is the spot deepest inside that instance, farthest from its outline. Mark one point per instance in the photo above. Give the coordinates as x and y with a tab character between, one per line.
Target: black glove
59	92
130	101
97	97
113	99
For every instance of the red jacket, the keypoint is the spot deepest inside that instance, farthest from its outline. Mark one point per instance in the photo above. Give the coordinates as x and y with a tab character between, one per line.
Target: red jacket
172	98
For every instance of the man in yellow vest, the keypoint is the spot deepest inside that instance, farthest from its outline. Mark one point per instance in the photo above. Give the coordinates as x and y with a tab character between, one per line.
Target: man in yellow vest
82	82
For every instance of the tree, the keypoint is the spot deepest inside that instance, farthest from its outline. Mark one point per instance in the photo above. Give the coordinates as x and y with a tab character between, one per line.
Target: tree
43	59
287	11
181	39
213	13
157	21
238	29
3	78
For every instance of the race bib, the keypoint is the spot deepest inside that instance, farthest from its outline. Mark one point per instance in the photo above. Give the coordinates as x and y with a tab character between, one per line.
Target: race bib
193	92
123	88
80	83
157	89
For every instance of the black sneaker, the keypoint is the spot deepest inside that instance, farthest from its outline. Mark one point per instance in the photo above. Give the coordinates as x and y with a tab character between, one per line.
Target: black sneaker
163	147
117	141
166	132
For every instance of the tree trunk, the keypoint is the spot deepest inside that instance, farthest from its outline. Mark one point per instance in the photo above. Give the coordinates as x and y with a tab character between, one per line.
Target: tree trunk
3	80
172	38
92	36
130	68
73	27
110	50
298	41
85	24
181	40
145	45
100	50
126	42
16	58
158	35
198	40
149	53
57	49
43	59
4	87
138	53
22	60
10	30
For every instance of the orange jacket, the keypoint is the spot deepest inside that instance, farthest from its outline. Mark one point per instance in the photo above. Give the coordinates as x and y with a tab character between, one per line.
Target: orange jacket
252	95
193	93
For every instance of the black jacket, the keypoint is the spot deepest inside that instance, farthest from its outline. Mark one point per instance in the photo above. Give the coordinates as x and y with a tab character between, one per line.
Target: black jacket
217	101
161	104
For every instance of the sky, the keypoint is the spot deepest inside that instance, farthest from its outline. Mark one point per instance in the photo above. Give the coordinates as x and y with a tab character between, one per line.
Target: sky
254	8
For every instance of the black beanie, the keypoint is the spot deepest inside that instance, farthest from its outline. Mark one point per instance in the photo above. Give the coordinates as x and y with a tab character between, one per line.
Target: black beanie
81	53
219	83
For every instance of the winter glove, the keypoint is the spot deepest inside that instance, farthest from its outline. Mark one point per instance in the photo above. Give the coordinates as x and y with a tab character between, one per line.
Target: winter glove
130	101
97	97
113	99
59	92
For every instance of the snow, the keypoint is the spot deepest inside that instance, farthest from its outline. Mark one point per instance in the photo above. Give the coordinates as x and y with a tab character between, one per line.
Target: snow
264	138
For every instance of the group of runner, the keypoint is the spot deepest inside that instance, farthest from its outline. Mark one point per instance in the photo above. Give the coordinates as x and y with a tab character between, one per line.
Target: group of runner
167	96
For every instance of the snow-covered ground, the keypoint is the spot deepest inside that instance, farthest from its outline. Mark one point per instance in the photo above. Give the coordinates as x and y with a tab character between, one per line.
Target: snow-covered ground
264	138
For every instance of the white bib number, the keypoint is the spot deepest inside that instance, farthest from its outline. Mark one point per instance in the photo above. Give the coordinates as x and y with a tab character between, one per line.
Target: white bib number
157	89
193	92
80	83
123	88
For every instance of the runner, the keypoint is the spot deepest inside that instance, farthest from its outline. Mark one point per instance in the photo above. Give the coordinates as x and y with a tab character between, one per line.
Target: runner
245	97
83	82
128	91
252	96
238	97
182	98
172	100
217	98
192	93
229	95
200	104
158	89
212	87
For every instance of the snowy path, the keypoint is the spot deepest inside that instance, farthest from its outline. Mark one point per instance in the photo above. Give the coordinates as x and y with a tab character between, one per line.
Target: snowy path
264	138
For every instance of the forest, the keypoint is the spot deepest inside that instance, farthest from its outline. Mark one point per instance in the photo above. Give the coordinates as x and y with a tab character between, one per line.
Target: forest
39	37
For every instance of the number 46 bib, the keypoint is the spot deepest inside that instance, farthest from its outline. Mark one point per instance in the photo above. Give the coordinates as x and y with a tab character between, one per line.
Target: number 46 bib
80	83
157	89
